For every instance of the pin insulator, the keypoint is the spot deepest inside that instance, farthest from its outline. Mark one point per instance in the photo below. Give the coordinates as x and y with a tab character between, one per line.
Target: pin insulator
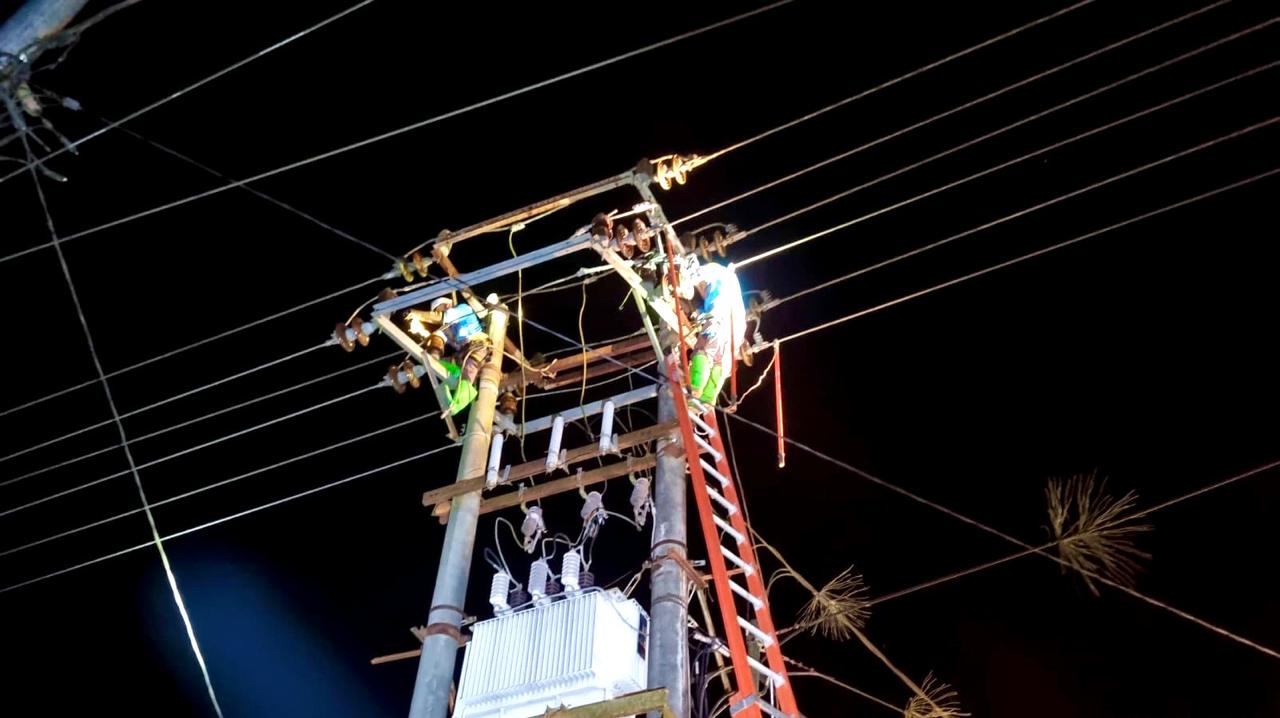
393	377
357	326
508	403
340	333
408	369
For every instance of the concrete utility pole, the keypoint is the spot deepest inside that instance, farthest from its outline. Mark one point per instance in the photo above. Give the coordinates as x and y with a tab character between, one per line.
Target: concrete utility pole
440	648
668	585
36	20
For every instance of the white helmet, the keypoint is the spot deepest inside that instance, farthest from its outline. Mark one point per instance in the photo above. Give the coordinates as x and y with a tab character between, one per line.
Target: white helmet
441	301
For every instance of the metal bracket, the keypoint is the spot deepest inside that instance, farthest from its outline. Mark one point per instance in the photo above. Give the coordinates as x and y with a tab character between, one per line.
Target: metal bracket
435	371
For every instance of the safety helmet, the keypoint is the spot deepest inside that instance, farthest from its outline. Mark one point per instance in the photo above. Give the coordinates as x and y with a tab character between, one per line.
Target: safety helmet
439	302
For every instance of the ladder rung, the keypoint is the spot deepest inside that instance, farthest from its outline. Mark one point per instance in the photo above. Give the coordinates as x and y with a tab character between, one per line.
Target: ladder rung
760	668
750	598
776	679
725	527
765	706
747	568
707	447
728	505
715	473
772	710
702	424
765	639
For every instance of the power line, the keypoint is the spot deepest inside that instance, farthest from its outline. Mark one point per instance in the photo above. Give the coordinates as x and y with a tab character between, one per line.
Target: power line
184	452
1016	160
412	126
1009	217
936	63
230	517
375	279
217	484
193	345
1027	552
162	402
1011	539
115	414
256	471
173	427
1030	255
256	192
199	83
942	115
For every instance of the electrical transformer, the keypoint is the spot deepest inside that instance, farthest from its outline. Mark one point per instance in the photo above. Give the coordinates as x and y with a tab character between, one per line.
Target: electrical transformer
575	650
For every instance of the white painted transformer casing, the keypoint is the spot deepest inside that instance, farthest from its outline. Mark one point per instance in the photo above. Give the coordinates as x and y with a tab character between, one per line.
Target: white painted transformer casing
577	650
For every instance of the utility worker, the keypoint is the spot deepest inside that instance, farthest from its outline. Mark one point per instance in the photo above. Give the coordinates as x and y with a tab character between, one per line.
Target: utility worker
460	328
722	329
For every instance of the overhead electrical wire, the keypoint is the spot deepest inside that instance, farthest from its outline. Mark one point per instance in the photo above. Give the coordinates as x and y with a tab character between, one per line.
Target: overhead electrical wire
1021	158
162	402
410	127
1029	255
947	113
71	146
188	422
384	276
947	578
901	78
193	345
1009	217
184	452
229	517
56	242
371	280
252	190
381	277
627	369
217	484
1011	539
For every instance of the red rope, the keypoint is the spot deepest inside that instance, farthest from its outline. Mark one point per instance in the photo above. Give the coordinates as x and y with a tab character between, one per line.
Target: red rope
777	397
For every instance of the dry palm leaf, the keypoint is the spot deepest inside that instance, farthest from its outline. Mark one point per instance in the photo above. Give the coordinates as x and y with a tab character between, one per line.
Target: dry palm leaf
1094	532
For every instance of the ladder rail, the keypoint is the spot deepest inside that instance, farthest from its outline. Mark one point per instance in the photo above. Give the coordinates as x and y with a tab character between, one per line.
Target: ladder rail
744	678
755	579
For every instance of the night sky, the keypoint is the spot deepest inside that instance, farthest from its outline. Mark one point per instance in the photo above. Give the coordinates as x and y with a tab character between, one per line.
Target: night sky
1145	354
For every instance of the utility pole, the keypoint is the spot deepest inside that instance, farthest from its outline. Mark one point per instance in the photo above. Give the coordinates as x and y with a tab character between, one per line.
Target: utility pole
668	585
443	638
36	20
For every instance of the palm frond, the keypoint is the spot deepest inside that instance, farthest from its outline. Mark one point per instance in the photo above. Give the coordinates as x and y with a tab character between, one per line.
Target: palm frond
1095	532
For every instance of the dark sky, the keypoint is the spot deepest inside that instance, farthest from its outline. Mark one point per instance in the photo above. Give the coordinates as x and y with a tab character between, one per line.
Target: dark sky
1144	354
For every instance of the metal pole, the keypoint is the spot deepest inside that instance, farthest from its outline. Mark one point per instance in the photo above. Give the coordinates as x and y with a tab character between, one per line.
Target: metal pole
668	612
35	20
440	648
668	585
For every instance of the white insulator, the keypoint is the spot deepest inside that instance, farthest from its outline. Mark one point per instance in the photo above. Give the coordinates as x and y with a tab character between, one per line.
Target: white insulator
495	459
553	449
608	442
538	573
593	513
532	528
498	589
570	568
640	500
593	504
